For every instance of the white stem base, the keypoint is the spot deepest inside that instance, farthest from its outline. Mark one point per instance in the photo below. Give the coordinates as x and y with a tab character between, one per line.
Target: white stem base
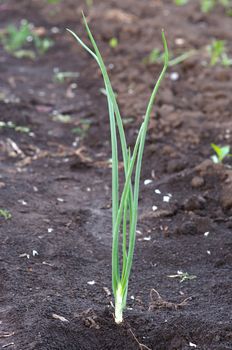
118	305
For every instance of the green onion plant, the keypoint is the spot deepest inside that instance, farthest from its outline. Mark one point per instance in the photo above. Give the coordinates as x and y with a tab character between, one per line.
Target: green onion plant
124	206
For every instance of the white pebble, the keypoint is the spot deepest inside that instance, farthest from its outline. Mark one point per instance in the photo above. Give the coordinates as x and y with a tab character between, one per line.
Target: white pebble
91	283
192	345
34	252
166	199
147	238
157	191
21	201
174	76
208	252
147	182
154	207
55	30
60	200
179	41
206	234
50	230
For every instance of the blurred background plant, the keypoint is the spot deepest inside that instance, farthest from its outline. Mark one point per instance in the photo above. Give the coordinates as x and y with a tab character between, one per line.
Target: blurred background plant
217	53
207	6
25	40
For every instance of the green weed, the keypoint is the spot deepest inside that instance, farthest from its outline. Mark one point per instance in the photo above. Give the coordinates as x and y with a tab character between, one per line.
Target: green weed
221	153
5	214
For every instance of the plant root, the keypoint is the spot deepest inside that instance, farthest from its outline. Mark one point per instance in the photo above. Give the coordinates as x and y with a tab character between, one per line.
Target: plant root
141	346
157	302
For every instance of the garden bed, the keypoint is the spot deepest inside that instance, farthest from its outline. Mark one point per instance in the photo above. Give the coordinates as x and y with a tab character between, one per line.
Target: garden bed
55	180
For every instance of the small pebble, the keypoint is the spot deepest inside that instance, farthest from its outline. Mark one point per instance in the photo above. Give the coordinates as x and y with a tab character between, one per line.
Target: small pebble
154	208
147	182
91	283
147	238
206	234
197	181
34	252
179	41
174	76
157	191
166	199
21	201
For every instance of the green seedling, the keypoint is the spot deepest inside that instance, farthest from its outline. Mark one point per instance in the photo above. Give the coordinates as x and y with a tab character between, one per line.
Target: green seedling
12	125
181	2
156	56
183	276
16	39
60	77
208	5
113	43
62	118
124	205
181	58
217	53
53	2
5	214
83	129
221	153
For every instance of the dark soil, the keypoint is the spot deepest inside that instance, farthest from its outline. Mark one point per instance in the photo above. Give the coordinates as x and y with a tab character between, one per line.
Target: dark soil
56	184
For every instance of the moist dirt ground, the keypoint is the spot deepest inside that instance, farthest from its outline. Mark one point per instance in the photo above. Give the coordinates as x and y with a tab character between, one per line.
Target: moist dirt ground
55	180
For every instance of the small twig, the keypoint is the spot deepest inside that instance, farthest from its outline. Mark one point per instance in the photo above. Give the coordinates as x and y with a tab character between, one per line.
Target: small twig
141	346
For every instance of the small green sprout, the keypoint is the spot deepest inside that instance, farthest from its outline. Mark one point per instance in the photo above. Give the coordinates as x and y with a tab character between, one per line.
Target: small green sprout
60	77
156	56
11	125
124	207
181	2
183	276
5	214
53	2
16	39
217	52
221	153
113	43
62	118
208	5
83	129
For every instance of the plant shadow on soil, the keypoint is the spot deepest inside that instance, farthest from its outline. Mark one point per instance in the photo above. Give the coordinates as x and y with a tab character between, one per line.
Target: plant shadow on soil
56	248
